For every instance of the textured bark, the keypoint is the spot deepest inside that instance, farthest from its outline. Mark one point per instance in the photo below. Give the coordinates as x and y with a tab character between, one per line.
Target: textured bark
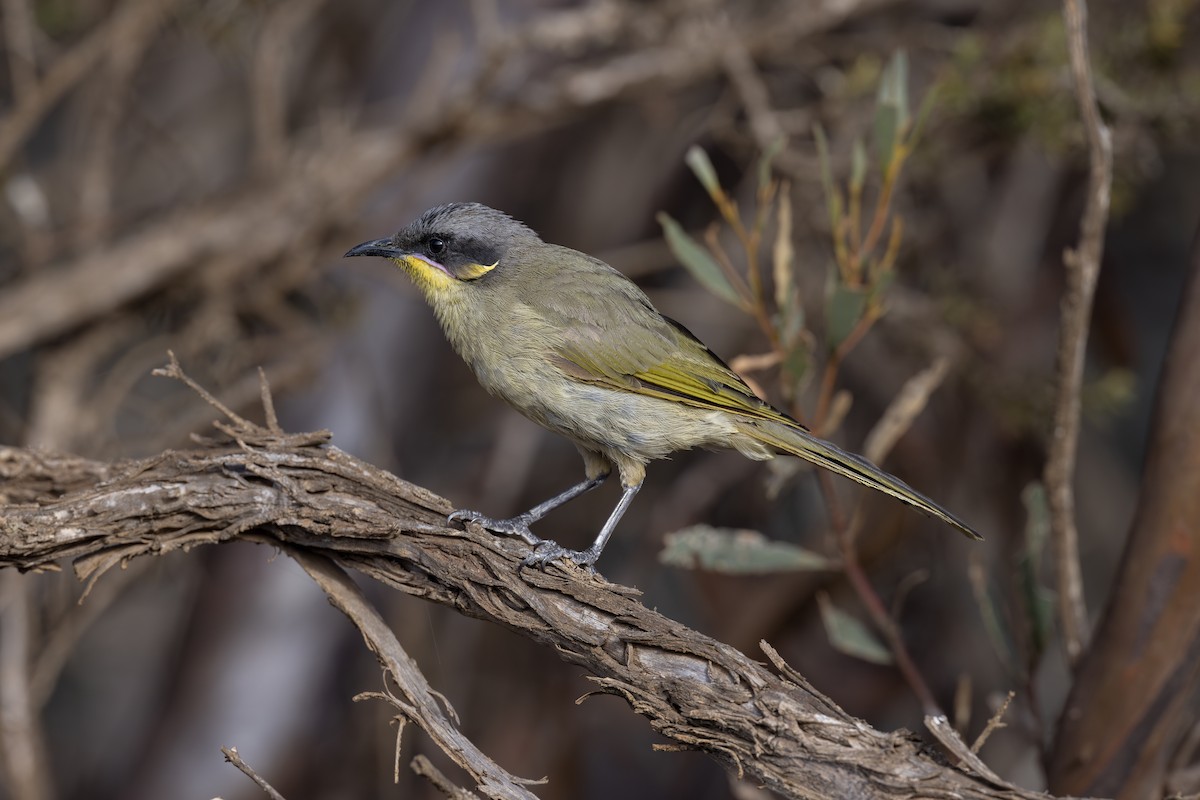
299	492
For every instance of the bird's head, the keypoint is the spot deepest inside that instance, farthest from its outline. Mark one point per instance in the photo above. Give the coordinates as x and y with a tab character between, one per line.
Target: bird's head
451	247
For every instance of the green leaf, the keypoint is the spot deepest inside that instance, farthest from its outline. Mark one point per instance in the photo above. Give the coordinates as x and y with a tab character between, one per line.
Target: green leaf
703	169
1037	521
766	160
891	108
843	311
737	552
893	86
832	198
887	123
850	636
858	165
698	261
797	362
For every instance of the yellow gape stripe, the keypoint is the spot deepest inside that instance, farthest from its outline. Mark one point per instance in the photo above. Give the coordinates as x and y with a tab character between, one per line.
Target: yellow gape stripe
472	271
427	277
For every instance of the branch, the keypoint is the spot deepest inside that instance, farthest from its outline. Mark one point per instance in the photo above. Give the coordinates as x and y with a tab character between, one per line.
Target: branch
310	498
233	757
1083	267
1136	692
421	703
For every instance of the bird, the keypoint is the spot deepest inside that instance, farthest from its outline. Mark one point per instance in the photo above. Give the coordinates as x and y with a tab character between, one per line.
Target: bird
577	347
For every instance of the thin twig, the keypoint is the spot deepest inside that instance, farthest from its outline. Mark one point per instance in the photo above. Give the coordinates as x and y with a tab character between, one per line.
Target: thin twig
231	755
883	622
1082	268
419	701
994	723
174	370
424	767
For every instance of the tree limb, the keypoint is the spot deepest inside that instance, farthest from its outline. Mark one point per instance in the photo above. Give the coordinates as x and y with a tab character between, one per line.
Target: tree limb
298	492
1137	691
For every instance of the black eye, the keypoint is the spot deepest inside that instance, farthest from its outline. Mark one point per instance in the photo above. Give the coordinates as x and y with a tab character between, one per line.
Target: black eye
436	245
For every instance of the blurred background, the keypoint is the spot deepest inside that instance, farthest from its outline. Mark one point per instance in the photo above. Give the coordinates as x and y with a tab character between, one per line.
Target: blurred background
187	175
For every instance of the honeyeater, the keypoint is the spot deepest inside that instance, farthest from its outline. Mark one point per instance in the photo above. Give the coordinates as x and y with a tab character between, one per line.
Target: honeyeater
575	346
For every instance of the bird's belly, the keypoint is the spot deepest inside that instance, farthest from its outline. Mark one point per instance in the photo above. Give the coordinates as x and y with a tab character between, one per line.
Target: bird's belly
645	428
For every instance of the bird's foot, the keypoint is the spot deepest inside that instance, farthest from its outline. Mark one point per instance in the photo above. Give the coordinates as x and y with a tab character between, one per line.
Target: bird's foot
517	526
546	551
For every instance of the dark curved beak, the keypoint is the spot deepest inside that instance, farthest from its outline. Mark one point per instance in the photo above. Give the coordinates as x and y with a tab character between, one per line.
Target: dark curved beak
376	247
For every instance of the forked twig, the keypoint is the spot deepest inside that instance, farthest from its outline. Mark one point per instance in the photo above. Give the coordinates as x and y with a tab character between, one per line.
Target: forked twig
1082	269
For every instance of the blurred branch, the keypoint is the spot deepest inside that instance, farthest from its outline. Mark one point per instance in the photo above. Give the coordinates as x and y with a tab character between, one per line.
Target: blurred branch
318	503
68	70
98	163
1082	267
26	768
18	41
268	107
324	180
1137	689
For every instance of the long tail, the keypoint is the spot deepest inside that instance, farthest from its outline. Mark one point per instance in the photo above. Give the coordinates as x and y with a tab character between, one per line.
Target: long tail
799	442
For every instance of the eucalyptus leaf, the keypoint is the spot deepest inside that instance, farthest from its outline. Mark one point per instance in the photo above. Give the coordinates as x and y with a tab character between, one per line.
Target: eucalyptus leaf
767	159
832	198
703	169
850	636
897	75
891	110
845	308
887	125
858	165
698	261
737	552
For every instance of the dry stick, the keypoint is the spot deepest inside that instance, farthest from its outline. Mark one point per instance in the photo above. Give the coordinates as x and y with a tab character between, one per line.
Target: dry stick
231	755
420	704
994	723
1082	268
424	767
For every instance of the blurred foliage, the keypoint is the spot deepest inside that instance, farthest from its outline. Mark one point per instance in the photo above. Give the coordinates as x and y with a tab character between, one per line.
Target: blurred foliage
850	636
737	552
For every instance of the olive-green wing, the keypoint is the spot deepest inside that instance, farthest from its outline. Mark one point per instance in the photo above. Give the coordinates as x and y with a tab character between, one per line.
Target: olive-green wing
612	336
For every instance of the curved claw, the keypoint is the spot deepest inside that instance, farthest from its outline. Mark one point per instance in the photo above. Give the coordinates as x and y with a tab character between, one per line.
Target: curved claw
517	526
546	551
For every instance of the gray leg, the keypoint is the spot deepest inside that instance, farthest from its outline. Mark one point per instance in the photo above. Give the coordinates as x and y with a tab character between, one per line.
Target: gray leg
519	525
547	551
